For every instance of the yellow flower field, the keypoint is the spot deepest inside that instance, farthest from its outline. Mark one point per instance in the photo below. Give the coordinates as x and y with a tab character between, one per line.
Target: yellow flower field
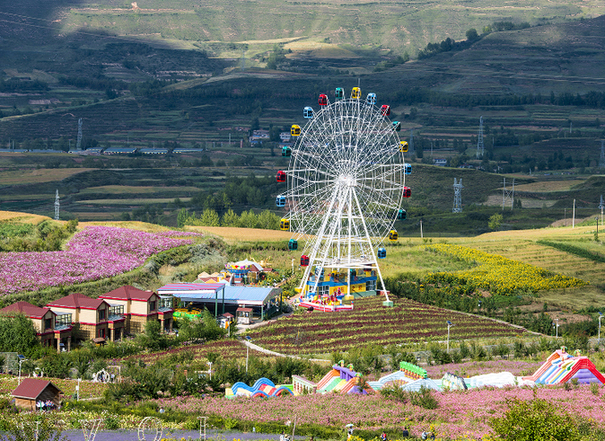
499	275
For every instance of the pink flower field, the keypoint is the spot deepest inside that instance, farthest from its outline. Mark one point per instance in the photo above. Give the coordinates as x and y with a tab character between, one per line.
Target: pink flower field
93	253
460	413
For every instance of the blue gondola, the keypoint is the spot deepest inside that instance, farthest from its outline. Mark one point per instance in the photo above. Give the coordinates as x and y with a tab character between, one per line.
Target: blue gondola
293	245
382	253
397	126
308	112
402	214
340	93
407	168
286	151
371	99
280	201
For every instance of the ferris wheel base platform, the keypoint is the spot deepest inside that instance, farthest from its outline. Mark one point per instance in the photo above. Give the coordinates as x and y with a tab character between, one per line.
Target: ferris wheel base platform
325	308
388	303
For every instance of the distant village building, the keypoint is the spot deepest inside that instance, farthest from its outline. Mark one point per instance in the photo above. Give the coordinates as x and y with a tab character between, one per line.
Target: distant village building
440	162
259	136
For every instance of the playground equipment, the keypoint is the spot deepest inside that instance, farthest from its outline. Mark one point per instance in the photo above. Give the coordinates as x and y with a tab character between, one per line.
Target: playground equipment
561	367
346	183
407	374
262	388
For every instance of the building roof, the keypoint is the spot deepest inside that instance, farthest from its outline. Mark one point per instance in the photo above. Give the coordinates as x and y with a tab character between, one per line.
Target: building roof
120	150
235	295
31	388
128	293
173	288
77	300
31	311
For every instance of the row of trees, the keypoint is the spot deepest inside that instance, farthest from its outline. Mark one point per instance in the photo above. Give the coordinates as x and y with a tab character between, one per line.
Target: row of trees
247	219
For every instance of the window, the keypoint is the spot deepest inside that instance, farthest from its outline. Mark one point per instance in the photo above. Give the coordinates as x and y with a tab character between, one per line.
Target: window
102	333
48	323
152	306
101	315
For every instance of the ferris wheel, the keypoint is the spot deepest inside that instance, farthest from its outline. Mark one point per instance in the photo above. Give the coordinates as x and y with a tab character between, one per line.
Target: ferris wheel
345	186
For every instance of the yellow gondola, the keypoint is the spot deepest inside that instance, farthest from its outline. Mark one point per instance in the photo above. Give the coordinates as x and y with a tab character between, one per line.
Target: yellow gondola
284	225
295	130
393	235
403	146
356	93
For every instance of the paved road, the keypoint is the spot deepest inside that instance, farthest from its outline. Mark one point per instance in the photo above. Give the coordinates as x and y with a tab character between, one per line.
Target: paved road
124	435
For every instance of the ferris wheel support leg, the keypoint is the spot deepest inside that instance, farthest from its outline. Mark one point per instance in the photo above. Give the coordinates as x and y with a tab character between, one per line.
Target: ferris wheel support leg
388	302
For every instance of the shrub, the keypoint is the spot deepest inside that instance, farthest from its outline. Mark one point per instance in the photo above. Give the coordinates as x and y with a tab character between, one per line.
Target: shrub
536	420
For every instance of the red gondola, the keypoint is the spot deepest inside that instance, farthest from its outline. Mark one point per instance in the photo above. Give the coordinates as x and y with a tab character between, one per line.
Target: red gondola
385	110
304	260
407	192
323	99
281	176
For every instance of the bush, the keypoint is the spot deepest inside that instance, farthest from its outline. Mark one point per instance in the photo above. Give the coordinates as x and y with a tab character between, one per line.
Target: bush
536	420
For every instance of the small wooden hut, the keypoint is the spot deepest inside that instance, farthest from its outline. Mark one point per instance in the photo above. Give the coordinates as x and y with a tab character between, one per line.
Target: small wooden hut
31	391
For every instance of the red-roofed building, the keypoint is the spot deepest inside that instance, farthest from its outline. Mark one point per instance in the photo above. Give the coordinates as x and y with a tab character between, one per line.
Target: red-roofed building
141	307
31	390
51	329
97	320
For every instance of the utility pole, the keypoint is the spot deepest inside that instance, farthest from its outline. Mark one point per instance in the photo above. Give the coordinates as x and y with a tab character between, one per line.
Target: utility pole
79	139
602	157
506	195
601	206
57	206
573	217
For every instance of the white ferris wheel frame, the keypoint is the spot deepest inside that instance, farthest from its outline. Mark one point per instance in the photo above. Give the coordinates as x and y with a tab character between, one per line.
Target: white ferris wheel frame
345	188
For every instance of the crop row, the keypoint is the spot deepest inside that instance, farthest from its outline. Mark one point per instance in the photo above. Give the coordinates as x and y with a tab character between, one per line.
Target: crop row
371	323
497	274
227	349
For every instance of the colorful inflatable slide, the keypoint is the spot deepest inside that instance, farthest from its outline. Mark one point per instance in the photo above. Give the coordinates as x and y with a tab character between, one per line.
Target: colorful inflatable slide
262	388
561	367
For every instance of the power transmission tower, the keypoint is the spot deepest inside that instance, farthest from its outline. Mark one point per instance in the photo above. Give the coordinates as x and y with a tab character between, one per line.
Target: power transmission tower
480	144
457	196
601	206
508	195
57	206
602	157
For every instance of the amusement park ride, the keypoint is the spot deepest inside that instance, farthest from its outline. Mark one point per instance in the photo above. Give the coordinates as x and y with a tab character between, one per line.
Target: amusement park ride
345	187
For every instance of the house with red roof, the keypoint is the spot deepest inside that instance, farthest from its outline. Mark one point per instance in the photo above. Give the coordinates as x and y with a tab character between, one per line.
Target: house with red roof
51	328
97	320
141	307
31	391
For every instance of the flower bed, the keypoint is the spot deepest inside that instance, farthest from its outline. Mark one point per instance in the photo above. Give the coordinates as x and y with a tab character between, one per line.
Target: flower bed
372	323
497	274
459	412
93	253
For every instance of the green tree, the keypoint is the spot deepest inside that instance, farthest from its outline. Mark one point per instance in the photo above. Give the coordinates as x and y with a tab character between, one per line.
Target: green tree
210	218
17	334
495	221
268	220
534	420
230	219
471	34
182	217
248	219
